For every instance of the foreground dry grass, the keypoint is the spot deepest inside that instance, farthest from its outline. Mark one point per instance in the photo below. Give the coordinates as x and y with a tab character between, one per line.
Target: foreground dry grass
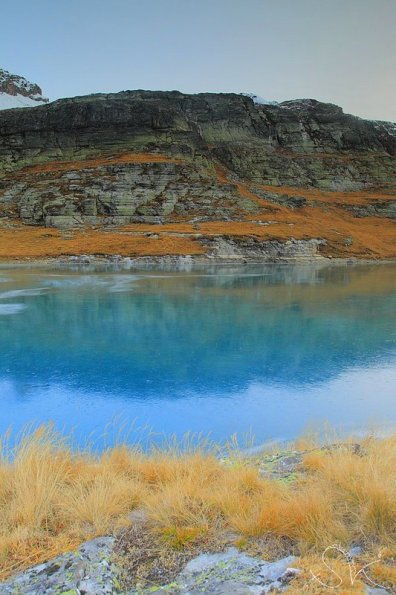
52	498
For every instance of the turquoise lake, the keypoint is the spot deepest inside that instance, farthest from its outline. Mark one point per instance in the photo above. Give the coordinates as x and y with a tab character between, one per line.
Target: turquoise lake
255	350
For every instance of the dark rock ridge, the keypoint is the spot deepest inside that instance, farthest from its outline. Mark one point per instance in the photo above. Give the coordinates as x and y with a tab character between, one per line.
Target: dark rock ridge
379	208
299	143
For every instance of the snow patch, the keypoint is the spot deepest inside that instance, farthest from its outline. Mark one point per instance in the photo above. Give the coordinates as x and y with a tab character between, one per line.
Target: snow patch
13	101
381	126
10	309
257	100
16	91
298	104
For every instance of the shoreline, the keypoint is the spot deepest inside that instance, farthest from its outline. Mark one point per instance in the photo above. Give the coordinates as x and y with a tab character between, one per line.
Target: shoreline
182	263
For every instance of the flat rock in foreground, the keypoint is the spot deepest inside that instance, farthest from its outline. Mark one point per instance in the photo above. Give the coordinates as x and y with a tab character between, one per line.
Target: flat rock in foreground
90	571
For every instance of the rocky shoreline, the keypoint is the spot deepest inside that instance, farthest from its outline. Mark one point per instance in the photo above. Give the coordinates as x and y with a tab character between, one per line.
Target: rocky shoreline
182	263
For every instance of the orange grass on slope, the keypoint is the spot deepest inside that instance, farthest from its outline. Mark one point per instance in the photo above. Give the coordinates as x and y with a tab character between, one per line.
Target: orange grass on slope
93	162
39	242
372	237
52	498
324	218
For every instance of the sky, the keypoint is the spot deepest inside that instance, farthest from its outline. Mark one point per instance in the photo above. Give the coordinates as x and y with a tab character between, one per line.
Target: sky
338	51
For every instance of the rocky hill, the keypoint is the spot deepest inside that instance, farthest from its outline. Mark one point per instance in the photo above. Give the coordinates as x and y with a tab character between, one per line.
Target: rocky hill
170	173
16	91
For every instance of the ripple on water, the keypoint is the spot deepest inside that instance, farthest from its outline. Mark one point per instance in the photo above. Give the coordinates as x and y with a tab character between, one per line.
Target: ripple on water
7	309
13	293
113	283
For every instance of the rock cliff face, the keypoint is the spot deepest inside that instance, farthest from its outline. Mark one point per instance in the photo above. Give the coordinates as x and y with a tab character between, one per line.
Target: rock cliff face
147	157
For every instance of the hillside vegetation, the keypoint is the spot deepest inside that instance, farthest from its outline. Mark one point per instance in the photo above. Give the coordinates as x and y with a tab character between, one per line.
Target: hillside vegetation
145	173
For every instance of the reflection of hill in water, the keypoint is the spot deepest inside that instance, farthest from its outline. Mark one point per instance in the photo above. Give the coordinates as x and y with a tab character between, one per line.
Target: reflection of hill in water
181	333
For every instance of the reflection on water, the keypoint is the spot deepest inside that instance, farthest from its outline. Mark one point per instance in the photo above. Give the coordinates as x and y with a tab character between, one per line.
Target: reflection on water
266	349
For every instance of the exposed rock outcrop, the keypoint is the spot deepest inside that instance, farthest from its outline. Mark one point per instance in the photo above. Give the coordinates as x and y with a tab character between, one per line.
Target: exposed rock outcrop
90	570
379	208
230	248
122	192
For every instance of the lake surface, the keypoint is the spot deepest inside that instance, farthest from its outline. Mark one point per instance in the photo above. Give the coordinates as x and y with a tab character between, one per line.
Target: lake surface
263	350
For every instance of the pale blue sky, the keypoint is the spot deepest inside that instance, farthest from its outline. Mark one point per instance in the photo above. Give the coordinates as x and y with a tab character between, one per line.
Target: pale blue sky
342	51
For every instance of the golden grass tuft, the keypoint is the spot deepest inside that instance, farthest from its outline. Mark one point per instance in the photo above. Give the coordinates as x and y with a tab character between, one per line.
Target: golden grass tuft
52	498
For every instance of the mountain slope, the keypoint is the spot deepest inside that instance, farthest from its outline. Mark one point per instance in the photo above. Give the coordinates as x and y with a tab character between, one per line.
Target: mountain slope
207	173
